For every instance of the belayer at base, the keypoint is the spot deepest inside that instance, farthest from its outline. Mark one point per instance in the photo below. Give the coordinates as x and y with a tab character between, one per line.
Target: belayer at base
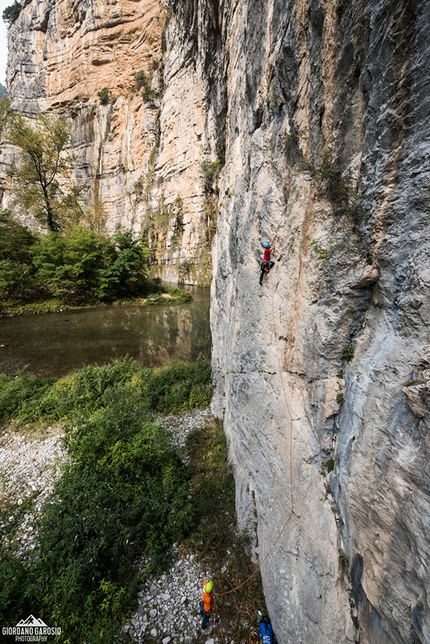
207	604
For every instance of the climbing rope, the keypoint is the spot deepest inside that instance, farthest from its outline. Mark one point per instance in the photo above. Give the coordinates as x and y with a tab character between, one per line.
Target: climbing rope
291	460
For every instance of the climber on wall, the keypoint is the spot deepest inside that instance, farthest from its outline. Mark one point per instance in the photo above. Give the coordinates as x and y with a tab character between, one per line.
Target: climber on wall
266	264
207	604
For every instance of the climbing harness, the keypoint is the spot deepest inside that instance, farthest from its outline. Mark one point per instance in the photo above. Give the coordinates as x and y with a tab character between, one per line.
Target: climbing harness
292	512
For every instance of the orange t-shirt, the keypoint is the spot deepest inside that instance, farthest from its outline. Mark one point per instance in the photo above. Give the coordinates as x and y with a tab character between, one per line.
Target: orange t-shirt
208	599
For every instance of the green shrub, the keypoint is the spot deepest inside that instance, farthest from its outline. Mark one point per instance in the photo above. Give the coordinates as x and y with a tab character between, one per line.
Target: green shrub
83	393
348	353
343	560
178	294
331	182
214	534
16	255
340	8
71	265
213	492
143	82
170	388
126	274
104	96
323	252
340	399
123	493
81	266
200	396
16	393
211	171
330	465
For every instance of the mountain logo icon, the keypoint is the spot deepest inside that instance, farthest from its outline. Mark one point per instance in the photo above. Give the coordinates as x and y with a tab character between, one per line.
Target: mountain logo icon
31	621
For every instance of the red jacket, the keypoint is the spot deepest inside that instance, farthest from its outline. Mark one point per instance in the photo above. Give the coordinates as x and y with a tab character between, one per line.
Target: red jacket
266	255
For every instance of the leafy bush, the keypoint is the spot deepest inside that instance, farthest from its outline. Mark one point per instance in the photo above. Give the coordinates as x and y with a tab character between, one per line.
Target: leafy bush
82	392
173	387
70	265
81	266
143	82
177	386
16	270
330	465
348	353
123	493
214	534
213	492
176	294
104	96
16	393
340	399
125	275
211	171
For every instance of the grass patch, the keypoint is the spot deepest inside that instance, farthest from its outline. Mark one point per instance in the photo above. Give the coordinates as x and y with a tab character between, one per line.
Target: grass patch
123	493
170	295
215	536
174	387
158	294
11	307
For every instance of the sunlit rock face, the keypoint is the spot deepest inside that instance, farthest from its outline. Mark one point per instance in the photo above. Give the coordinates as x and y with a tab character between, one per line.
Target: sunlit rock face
140	152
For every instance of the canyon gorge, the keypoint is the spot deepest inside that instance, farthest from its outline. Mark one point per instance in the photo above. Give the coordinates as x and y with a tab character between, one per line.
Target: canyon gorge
227	124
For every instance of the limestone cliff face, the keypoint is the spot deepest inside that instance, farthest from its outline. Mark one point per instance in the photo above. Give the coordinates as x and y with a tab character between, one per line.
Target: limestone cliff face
141	152
320	109
327	148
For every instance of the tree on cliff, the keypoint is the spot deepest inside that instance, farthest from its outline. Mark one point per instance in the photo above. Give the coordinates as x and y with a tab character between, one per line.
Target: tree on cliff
11	13
5	113
44	160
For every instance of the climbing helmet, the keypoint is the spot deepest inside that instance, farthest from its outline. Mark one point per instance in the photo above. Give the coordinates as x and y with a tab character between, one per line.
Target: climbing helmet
266	245
208	587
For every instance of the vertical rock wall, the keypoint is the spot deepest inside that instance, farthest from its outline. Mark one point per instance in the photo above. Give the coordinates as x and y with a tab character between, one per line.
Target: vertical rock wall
327	148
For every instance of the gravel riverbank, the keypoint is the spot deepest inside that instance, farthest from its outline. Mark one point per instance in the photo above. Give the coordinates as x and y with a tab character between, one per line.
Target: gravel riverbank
168	604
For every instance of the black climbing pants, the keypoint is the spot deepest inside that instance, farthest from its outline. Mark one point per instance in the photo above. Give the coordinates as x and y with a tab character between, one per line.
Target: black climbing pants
265	268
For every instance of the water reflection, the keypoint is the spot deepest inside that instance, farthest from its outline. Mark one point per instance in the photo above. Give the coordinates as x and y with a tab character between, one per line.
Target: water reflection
54	344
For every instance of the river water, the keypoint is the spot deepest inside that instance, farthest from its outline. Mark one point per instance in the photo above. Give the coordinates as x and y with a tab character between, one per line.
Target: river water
56	343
